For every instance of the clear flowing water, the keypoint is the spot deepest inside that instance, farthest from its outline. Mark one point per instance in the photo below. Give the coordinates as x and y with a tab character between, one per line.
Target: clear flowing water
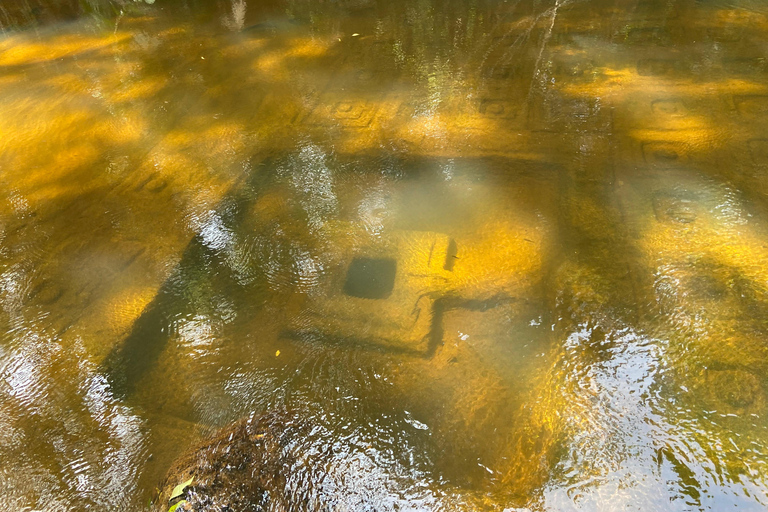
501	255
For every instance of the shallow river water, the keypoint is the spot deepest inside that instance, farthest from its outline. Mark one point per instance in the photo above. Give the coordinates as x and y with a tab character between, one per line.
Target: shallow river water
500	255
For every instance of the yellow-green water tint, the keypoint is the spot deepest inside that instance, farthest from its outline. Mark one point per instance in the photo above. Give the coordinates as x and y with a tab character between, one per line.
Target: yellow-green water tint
574	193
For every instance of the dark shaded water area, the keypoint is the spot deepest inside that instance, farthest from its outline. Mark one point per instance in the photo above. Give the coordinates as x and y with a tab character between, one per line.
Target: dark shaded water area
493	255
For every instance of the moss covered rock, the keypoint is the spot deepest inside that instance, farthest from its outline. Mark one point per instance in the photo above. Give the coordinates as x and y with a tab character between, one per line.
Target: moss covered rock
242	467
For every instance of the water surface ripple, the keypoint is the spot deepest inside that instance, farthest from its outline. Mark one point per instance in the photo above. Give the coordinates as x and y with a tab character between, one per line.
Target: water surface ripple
467	254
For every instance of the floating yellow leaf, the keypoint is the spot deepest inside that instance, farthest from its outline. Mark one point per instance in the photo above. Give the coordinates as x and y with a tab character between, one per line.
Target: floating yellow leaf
179	489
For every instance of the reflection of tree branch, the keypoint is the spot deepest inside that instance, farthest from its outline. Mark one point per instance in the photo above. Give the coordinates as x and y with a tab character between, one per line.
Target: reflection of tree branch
544	42
236	20
117	21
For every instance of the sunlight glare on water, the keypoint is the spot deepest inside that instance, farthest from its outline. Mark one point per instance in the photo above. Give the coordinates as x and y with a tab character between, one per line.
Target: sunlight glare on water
367	255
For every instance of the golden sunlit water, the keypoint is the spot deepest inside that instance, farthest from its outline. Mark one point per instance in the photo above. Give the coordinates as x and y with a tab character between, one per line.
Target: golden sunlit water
463	254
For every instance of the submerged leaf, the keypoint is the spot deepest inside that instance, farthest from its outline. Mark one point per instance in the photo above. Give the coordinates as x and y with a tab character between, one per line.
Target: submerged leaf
176	506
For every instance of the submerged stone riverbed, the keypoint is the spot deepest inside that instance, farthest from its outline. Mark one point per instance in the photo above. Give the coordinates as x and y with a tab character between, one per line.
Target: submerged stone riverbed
439	255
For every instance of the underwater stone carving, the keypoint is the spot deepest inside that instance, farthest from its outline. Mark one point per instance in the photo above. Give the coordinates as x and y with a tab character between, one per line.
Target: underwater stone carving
386	294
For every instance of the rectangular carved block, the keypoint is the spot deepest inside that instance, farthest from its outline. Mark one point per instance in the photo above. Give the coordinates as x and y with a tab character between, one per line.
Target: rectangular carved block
665	154
348	113
383	294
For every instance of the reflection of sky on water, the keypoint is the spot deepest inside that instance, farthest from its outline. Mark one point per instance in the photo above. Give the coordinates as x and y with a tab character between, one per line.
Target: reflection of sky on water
60	417
313	182
625	453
